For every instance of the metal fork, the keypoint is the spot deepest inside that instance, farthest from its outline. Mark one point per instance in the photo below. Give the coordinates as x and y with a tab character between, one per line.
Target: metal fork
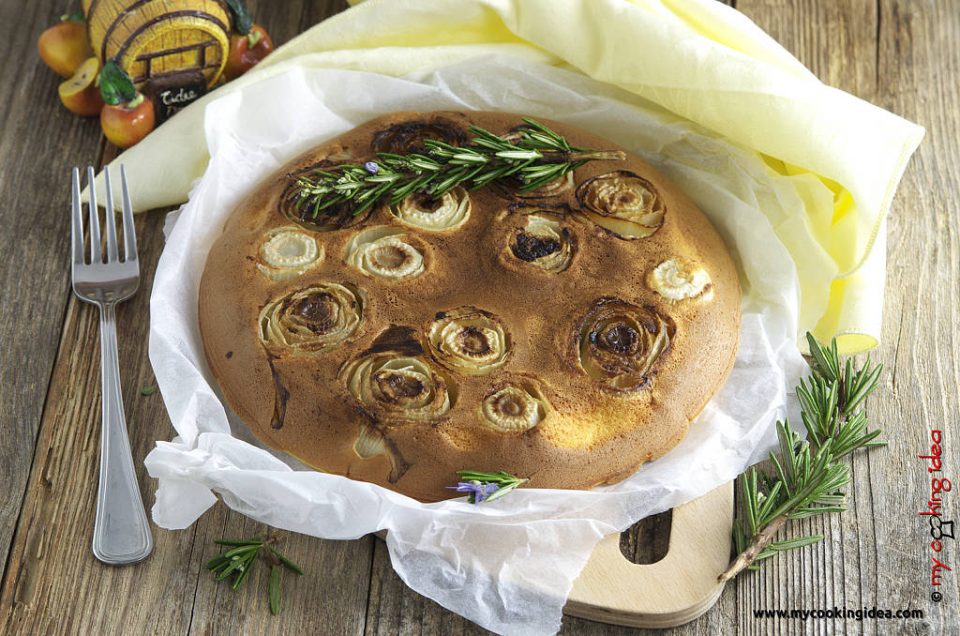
121	533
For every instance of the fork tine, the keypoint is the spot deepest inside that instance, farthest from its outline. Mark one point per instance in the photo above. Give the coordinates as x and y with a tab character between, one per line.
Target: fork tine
129	230
110	219
76	226
95	256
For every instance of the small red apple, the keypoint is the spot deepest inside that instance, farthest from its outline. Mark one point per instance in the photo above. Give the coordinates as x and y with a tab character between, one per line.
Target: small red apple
126	124
127	116
249	42
246	51
65	45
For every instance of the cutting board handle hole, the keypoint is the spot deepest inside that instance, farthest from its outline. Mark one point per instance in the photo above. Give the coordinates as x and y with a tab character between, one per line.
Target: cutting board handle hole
648	540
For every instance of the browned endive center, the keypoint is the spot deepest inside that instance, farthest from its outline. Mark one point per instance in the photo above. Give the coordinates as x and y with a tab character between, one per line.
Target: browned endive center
468	341
408	137
620	338
310	320
509	405
529	247
318	313
621	343
474	342
622	202
390	257
395	388
398	387
426	202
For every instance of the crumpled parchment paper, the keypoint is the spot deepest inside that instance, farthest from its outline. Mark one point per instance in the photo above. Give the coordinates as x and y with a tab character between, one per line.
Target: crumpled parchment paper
510	564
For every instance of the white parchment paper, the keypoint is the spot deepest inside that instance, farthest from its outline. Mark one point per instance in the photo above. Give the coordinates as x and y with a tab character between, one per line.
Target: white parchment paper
507	565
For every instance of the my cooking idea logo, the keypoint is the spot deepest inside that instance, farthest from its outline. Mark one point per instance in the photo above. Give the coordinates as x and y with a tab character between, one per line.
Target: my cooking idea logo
941	530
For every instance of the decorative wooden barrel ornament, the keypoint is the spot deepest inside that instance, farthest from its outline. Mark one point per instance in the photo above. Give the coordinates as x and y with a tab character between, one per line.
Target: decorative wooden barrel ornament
162	43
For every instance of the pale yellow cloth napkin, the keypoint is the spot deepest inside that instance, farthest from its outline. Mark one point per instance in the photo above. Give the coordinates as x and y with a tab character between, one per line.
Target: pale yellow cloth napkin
696	58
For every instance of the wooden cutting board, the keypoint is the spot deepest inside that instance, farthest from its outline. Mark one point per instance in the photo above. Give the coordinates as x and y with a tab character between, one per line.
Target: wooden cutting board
673	591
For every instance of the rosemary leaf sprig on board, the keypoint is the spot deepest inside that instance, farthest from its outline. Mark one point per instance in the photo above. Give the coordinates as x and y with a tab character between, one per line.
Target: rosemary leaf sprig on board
806	477
534	155
237	562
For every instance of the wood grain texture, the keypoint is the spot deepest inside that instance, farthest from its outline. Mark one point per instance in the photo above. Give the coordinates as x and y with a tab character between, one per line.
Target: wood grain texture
900	54
919	77
44	590
648	540
838	42
34	217
903	56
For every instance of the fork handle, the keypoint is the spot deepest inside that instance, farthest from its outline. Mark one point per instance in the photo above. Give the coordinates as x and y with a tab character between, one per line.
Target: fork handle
121	533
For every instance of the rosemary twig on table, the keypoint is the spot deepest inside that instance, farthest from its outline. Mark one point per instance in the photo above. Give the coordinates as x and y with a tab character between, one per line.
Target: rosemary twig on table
238	560
534	155
807	477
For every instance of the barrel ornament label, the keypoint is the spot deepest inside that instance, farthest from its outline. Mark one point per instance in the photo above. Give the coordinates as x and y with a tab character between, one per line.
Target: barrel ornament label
175	91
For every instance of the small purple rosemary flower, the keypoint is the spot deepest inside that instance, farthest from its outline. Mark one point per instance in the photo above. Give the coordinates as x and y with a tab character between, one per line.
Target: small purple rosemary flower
478	490
372	167
486	486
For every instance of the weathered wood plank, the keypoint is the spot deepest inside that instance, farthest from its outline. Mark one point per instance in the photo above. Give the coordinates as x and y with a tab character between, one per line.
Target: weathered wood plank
39	142
919	77
648	540
330	598
51	570
837	41
52	583
903	56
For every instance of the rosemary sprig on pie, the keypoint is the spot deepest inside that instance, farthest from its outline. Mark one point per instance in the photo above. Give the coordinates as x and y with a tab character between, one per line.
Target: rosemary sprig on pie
807	477
482	486
532	155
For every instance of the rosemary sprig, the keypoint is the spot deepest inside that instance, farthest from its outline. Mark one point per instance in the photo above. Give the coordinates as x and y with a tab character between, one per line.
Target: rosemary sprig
807	477
534	155
486	486
238	561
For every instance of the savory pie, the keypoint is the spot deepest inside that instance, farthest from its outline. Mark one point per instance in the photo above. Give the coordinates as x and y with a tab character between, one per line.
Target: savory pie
566	335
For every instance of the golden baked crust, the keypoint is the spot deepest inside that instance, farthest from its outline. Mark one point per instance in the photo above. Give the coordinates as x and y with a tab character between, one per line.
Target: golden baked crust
578	355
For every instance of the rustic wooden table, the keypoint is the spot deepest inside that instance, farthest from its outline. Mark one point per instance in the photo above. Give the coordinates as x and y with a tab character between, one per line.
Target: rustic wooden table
903	55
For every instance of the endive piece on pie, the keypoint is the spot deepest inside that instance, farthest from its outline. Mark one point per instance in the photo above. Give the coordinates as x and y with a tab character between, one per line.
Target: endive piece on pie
620	343
385	252
623	202
311	320
679	279
287	252
469	341
512	408
545	243
424	212
397	388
